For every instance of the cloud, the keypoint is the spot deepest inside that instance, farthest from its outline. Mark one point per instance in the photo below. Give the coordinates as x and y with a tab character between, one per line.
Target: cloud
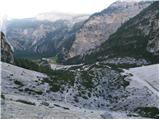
30	8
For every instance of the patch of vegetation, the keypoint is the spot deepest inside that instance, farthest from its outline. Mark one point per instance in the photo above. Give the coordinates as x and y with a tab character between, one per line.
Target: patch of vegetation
55	87
86	79
26	102
2	96
66	108
57	105
56	78
85	97
28	64
18	83
53	60
150	112
33	91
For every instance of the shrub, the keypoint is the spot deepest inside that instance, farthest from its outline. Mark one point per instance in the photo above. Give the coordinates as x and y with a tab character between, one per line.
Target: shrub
33	91
26	102
86	80
56	78
2	96
18	83
150	112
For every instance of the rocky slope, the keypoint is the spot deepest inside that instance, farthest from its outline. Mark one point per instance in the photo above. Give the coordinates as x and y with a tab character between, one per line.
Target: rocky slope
135	43
95	91
6	50
101	25
41	37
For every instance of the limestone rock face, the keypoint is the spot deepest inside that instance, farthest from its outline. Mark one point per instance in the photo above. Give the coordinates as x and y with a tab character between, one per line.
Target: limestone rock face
43	36
6	50
136	40
100	26
135	43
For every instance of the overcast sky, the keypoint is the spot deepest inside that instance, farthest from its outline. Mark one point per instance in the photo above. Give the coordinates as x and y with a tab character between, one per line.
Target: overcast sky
30	8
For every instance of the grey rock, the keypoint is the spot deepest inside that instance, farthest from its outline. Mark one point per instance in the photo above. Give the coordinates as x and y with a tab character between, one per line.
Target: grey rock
100	26
6	50
107	115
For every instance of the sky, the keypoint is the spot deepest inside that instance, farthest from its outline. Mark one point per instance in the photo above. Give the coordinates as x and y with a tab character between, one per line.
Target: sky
30	8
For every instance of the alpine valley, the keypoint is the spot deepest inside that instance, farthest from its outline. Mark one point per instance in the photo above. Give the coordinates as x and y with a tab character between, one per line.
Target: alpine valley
104	65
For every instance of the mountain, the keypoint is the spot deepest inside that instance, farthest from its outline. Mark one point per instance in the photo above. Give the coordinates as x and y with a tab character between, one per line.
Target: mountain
134	43
6	50
38	37
101	25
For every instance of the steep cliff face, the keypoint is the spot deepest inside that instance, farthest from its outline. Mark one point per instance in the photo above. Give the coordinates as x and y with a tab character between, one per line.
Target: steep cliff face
101	25
6	50
134	43
41	37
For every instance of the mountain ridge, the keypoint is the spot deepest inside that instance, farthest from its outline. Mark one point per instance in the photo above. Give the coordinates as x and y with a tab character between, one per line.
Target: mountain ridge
36	38
136	40
100	26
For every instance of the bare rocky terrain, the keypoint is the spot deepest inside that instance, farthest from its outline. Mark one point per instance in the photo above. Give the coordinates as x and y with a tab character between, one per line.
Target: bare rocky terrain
26	96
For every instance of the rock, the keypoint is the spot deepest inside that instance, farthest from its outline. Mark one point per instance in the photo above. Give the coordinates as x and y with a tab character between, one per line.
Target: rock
6	50
107	115
45	103
100	26
135	43
40	37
